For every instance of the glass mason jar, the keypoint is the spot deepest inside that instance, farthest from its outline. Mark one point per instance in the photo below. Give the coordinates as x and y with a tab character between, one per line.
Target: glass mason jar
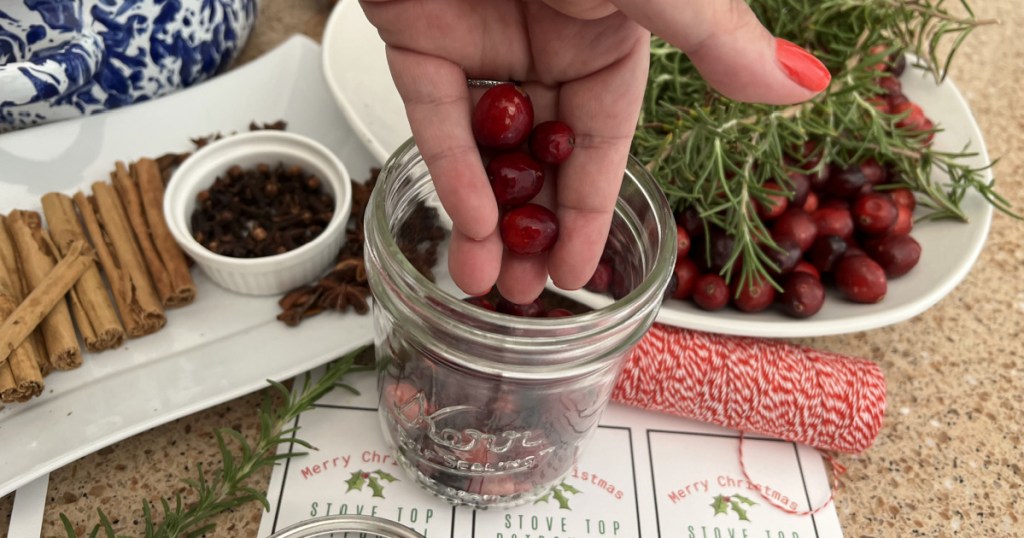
365	526
482	408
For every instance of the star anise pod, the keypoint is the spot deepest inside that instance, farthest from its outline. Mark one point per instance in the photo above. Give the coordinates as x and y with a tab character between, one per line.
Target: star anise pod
341	295
300	304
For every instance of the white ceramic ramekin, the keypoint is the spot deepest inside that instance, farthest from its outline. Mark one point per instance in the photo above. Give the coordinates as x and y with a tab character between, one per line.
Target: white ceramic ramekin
268	275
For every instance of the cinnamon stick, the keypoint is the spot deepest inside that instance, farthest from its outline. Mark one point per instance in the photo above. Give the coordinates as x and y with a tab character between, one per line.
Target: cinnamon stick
129	192
151	188
14	281
20	378
33	252
103	215
90	302
46	297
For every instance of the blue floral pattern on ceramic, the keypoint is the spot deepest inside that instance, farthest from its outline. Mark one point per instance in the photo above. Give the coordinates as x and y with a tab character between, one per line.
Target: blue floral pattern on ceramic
67	58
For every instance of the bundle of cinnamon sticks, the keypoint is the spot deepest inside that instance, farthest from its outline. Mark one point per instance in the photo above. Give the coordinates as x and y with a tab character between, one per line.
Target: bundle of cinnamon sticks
104	269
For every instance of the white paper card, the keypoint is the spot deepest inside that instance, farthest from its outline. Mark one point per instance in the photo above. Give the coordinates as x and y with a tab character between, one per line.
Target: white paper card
643	475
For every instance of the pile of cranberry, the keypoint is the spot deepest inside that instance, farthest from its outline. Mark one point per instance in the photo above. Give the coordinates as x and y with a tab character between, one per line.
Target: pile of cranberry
518	152
848	226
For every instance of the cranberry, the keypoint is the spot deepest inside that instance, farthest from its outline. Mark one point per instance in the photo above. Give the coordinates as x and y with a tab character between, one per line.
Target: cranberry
802	295
601	280
515	177
686	274
481	302
690	220
530	310
718	253
810	154
682	243
880	103
860	279
897	254
801	185
552	142
891	85
774	204
903	198
503	117
846	182
529	229
811	204
620	285
710	292
897	64
754	296
896	101
804	266
833	221
875	213
914	118
826	251
874	173
904	221
785	257
796	225
819	177
559	313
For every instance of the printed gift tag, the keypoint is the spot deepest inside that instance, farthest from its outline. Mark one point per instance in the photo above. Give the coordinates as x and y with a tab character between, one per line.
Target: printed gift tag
642	474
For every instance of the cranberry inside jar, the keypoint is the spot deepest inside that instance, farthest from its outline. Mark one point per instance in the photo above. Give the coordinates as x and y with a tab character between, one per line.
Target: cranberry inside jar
491	408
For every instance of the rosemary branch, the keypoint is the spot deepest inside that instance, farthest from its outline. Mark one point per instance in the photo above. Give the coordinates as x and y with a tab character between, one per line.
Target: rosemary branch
228	488
714	156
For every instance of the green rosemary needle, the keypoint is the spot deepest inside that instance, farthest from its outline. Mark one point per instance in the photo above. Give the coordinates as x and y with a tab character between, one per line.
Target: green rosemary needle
714	156
228	486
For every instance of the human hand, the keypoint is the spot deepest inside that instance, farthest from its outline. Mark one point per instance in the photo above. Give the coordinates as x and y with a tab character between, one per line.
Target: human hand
583	62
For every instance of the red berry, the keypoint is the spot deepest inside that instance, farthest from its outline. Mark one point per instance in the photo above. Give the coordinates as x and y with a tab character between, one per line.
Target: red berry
530	310
682	243
710	292
785	257
754	296
811	204
914	118
601	279
804	266
897	254
800	185
559	313
796	225
691	222
833	221
802	295
875	213
903	198
503	117
552	142
774	204
529	229
686	274
904	221
874	172
891	85
860	279
481	302
895	101
718	254
826	251
515	177
880	103
846	182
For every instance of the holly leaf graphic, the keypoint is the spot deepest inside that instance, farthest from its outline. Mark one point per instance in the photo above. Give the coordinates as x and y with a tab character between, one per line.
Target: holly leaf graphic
569	489
387	477
376	486
559	495
740	511
744	500
720	505
356	481
543	498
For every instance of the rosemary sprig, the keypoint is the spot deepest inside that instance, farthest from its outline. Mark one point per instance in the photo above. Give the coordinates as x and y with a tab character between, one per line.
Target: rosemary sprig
714	155
228	488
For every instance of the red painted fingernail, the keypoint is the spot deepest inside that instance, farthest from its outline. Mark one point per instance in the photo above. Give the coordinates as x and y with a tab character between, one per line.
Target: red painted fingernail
801	66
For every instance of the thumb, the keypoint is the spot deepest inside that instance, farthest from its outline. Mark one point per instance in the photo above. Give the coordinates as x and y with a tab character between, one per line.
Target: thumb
733	51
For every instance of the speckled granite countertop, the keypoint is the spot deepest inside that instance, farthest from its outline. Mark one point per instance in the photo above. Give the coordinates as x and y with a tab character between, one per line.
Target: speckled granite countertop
949	459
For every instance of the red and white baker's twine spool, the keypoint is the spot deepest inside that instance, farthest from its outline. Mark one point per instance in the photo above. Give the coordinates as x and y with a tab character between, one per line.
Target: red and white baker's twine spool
825	400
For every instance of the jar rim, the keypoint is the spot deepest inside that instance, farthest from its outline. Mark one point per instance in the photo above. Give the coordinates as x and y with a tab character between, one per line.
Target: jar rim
319	526
554	332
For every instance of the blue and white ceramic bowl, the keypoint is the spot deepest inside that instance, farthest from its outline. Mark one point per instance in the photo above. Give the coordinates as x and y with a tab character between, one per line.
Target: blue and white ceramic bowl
67	58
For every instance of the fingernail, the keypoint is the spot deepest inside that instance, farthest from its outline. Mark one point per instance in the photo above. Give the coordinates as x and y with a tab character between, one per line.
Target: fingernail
801	66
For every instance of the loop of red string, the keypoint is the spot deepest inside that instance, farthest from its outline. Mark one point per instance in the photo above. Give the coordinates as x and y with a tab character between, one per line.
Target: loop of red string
821	399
